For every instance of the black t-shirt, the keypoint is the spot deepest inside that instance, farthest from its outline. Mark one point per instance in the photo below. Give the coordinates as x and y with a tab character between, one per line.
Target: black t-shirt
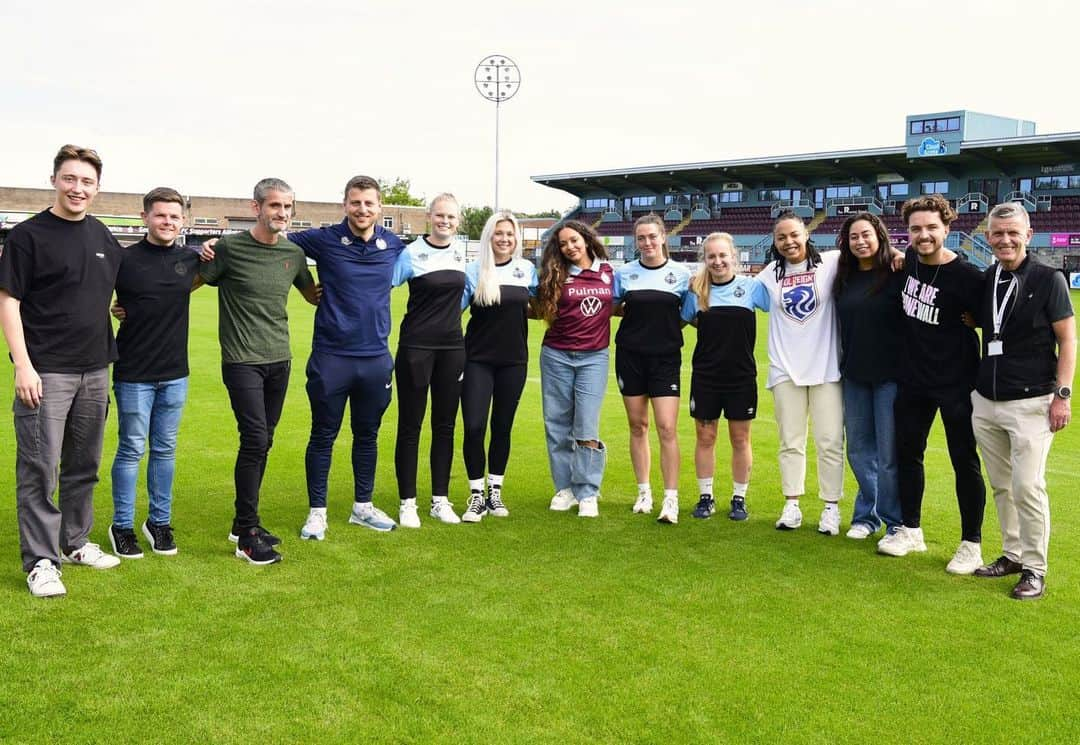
63	273
1028	365
436	277
871	328
941	352
154	289
499	334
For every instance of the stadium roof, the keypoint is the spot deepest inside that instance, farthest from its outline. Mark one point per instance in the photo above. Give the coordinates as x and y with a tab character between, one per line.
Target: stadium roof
1005	154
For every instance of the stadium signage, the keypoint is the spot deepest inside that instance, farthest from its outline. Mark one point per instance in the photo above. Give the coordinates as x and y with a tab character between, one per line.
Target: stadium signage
1060	168
930	147
1065	240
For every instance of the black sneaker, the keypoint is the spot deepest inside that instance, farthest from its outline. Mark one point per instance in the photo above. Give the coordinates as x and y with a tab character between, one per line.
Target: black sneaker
267	536
254	547
160	537
495	504
477	508
124	543
738	509
705	508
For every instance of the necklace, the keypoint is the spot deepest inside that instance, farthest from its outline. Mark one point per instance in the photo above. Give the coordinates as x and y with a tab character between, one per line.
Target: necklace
932	279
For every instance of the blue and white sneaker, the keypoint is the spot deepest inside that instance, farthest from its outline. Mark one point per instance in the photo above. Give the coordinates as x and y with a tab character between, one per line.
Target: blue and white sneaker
370	516
315	526
738	511
705	508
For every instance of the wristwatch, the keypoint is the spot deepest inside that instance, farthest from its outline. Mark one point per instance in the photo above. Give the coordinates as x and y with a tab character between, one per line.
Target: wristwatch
1063	392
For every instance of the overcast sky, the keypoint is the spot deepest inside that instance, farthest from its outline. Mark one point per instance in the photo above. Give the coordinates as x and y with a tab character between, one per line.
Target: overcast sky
211	96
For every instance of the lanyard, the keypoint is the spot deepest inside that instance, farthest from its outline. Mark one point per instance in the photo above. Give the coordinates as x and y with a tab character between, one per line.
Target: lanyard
999	313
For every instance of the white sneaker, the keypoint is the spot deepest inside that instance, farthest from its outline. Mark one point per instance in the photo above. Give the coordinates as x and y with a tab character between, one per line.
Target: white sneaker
900	541
790	518
370	516
443	511
563	500
669	511
407	514
967	559
477	508
859	531
643	505
91	555
315	526
44	580
829	524
588	507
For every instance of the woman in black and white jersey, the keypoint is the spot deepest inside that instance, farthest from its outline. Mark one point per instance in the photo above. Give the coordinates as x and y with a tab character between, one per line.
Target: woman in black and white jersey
648	358
430	354
498	285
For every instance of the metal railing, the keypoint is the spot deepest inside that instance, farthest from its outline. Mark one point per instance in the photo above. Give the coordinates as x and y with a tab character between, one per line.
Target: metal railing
1025	198
976	197
788	204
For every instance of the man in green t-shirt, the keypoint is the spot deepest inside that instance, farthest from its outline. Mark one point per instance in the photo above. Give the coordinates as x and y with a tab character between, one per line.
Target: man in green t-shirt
253	271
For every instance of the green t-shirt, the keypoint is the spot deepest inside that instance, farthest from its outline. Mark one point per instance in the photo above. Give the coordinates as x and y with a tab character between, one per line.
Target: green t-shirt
253	281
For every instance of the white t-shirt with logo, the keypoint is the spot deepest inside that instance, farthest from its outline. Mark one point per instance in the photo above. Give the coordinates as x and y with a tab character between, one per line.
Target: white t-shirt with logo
804	341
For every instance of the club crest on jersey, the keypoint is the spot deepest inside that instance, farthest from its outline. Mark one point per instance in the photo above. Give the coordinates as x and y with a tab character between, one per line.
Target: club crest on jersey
518	274
421	257
590	306
605	278
180	268
798	296
632	277
457	256
380	244
670	278
346	240
739	292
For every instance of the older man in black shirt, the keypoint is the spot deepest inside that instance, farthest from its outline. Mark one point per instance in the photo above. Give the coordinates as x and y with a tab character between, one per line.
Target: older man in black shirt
1022	393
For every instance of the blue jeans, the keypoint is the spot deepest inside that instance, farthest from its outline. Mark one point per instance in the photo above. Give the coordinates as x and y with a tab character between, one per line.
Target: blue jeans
871	450
146	410
572	386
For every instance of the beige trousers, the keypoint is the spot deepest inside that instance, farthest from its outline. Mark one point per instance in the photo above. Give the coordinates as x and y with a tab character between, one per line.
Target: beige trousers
794	406
1014	438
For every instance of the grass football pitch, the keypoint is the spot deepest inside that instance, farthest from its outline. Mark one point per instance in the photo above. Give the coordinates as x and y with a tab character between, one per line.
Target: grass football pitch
541	627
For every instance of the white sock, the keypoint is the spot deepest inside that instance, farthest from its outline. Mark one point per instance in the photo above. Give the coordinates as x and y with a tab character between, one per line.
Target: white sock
644	490
793	500
740	489
318	511
832	506
704	486
671	493
495	480
476	484
435	500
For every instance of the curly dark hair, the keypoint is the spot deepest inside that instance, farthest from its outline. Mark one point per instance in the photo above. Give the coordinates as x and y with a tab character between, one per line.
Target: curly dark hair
813	258
929	203
554	268
848	264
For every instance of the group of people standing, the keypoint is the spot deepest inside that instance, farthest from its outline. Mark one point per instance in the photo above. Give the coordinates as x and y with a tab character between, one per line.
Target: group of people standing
865	340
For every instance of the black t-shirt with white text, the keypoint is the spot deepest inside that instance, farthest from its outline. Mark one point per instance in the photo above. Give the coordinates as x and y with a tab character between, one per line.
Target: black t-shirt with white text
941	350
62	272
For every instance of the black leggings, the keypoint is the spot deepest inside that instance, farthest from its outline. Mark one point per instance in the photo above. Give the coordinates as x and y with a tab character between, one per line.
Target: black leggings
914	411
497	386
416	370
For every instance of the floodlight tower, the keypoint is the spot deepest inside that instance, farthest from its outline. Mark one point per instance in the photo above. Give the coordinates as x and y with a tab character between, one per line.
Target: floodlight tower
497	78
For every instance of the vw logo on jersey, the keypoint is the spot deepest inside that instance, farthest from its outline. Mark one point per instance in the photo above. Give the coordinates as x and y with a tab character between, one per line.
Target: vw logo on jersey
670	278
605	277
590	306
798	296
518	274
346	240
380	244
421	257
739	292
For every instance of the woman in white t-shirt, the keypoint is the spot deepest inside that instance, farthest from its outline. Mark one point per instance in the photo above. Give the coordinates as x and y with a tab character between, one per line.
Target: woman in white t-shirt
804	369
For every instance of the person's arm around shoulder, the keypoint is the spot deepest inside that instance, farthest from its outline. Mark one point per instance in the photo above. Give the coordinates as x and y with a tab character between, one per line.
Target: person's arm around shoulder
762	299
1064	325
304	282
27	381
214	259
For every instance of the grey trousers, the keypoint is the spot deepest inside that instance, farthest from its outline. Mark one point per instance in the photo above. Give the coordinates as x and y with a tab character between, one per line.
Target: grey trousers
66	431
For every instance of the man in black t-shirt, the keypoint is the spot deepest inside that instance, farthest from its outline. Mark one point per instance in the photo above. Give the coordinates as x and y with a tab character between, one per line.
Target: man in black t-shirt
57	273
150	377
941	360
1022	393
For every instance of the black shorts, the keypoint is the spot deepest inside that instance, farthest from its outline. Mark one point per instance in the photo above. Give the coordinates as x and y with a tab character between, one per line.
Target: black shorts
652	375
707	404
